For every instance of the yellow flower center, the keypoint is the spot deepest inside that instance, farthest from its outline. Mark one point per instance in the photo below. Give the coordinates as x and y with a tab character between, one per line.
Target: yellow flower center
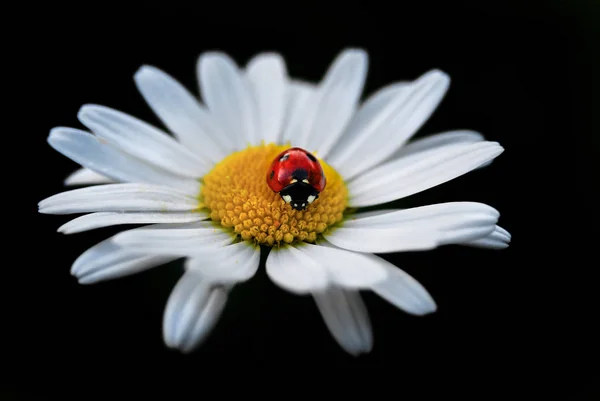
237	196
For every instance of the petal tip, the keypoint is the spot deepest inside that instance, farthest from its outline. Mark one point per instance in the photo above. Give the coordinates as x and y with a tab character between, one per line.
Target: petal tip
86	110
430	309
145	71
55	134
358	350
75	267
503	245
267	56
66	229
61	134
355	52
435	76
84	280
213	56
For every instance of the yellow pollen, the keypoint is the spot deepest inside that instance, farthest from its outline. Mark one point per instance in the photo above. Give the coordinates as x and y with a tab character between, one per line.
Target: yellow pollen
237	196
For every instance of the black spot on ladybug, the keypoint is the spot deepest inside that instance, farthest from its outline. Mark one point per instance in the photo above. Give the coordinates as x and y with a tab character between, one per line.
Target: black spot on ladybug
300	174
272	174
311	157
284	157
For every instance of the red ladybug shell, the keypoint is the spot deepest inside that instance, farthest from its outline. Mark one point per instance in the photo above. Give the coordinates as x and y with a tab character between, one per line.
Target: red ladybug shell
282	170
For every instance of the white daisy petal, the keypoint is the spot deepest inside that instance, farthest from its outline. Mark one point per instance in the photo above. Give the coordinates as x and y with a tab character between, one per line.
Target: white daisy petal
192	311
107	261
438	154
207	319
295	271
416	229
347	319
191	239
389	129
503	233
370	213
423	215
112	189
498	239
182	114
383	240
268	77
372	113
403	291
142	140
436	141
118	198
129	265
180	294
298	110
232	263
400	178
100	156
105	219
228	95
398	287
386	240
344	268
335	101
85	176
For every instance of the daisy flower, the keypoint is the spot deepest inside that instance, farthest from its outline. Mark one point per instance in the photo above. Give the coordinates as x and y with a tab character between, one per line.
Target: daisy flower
202	192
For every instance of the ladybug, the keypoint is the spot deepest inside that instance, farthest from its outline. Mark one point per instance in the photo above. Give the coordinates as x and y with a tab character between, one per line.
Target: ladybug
297	176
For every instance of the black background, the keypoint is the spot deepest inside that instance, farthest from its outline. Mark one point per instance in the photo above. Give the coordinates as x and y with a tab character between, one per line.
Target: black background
519	320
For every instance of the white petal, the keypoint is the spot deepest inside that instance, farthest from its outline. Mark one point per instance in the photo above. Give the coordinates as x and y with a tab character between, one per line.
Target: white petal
398	288
298	110
142	140
406	176
182	114
107	261
190	239
112	189
232	263
370	213
335	102
118	198
100	156
347	319
85	176
268	77
228	95
344	268
389	129
372	113
105	219
193	309
383	240
403	291
436	141
421	215
206	319
498	239
416	229
295	271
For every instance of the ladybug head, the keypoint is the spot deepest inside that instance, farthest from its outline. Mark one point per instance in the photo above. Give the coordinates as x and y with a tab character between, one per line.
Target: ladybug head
299	194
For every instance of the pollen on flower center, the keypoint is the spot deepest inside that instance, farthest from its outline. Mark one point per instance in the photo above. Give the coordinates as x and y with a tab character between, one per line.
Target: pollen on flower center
237	195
